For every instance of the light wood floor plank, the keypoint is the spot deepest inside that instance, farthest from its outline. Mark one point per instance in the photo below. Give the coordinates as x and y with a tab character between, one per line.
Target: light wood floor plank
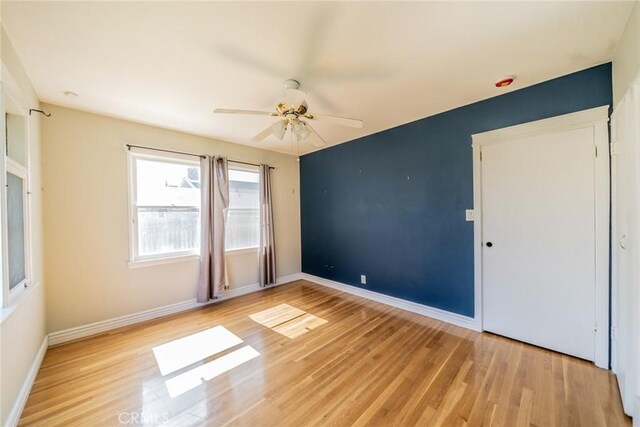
324	358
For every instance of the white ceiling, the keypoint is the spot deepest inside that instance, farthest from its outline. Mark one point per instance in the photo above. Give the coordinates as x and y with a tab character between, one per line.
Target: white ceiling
171	63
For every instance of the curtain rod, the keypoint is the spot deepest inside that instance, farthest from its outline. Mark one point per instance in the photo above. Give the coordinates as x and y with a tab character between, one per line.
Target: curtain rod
202	156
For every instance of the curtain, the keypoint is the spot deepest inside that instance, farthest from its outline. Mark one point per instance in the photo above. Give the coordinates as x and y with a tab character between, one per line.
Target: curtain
267	254
214	183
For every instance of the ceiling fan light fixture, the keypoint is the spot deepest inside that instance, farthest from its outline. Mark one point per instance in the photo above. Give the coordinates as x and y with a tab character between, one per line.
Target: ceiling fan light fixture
279	128
304	132
300	130
290	111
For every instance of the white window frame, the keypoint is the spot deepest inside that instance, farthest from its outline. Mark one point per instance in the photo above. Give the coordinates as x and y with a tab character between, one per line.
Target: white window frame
10	90
134	259
22	172
244	168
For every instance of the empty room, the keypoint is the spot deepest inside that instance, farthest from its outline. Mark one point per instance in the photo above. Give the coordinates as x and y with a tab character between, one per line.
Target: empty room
338	213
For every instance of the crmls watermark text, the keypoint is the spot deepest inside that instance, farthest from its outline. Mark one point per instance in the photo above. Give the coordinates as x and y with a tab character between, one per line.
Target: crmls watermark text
144	417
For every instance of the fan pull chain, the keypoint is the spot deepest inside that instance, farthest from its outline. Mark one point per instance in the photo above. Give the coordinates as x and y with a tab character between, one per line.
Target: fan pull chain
292	141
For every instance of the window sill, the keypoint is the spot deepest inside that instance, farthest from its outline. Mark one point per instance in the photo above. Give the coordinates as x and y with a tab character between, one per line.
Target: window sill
16	302
159	261
241	251
182	258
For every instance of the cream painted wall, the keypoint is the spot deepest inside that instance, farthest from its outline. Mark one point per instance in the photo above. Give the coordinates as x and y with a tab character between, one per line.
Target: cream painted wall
626	61
22	329
86	219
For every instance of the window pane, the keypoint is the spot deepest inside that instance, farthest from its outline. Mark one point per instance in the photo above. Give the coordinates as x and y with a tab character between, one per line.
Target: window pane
15	229
16	138
167	184
243	228
168	230
243	225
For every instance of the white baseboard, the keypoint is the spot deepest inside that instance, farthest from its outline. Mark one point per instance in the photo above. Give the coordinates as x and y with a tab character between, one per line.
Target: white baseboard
83	331
636	411
21	400
414	307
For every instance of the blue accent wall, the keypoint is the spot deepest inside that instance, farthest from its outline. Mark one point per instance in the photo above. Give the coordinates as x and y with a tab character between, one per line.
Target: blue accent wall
392	205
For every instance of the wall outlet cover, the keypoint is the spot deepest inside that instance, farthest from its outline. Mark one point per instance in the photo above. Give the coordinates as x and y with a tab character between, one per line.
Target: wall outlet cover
470	215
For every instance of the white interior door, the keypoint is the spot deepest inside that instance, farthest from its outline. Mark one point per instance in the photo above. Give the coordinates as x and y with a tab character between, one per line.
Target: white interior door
625	346
539	239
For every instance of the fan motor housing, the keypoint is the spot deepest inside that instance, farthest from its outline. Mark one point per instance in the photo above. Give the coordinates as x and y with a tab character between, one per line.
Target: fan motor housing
292	84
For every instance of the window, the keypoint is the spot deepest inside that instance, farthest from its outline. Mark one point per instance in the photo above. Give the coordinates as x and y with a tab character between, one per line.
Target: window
15	215
17	227
243	223
165	208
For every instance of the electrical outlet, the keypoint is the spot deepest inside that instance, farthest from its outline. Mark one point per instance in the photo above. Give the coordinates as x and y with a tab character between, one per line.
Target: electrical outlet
363	279
469	215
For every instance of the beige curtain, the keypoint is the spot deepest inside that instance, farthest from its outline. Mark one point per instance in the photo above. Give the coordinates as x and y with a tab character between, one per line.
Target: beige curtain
214	181
267	238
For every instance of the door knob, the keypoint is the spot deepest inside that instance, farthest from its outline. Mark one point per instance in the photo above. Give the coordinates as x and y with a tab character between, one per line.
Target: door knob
489	244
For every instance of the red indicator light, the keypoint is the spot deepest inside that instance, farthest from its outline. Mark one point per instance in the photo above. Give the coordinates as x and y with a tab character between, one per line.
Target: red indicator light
504	82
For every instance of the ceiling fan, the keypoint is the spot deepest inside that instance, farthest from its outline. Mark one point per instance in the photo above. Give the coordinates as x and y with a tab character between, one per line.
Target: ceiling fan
294	115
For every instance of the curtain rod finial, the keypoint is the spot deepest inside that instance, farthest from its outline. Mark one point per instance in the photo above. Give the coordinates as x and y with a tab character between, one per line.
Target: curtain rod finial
31	110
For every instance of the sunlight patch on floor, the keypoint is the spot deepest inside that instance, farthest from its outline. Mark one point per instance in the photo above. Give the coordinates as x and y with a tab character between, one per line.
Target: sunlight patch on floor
196	376
185	351
287	320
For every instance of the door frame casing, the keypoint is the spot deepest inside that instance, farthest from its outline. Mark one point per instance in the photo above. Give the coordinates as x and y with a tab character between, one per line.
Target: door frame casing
597	119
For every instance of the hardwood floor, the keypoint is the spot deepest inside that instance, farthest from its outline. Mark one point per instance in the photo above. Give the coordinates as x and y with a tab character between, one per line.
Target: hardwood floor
301	354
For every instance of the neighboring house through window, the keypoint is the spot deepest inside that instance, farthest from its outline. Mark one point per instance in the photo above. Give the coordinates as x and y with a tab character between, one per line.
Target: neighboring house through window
165	206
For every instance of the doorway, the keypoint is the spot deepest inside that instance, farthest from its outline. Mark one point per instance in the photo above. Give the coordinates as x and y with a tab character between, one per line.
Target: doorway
541	195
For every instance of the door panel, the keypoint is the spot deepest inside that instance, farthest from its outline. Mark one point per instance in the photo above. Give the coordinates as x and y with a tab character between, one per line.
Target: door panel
625	346
538	208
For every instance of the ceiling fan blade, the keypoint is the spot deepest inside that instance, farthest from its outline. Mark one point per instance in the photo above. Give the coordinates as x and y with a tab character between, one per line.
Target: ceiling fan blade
262	135
236	55
342	121
314	39
230	111
315	138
